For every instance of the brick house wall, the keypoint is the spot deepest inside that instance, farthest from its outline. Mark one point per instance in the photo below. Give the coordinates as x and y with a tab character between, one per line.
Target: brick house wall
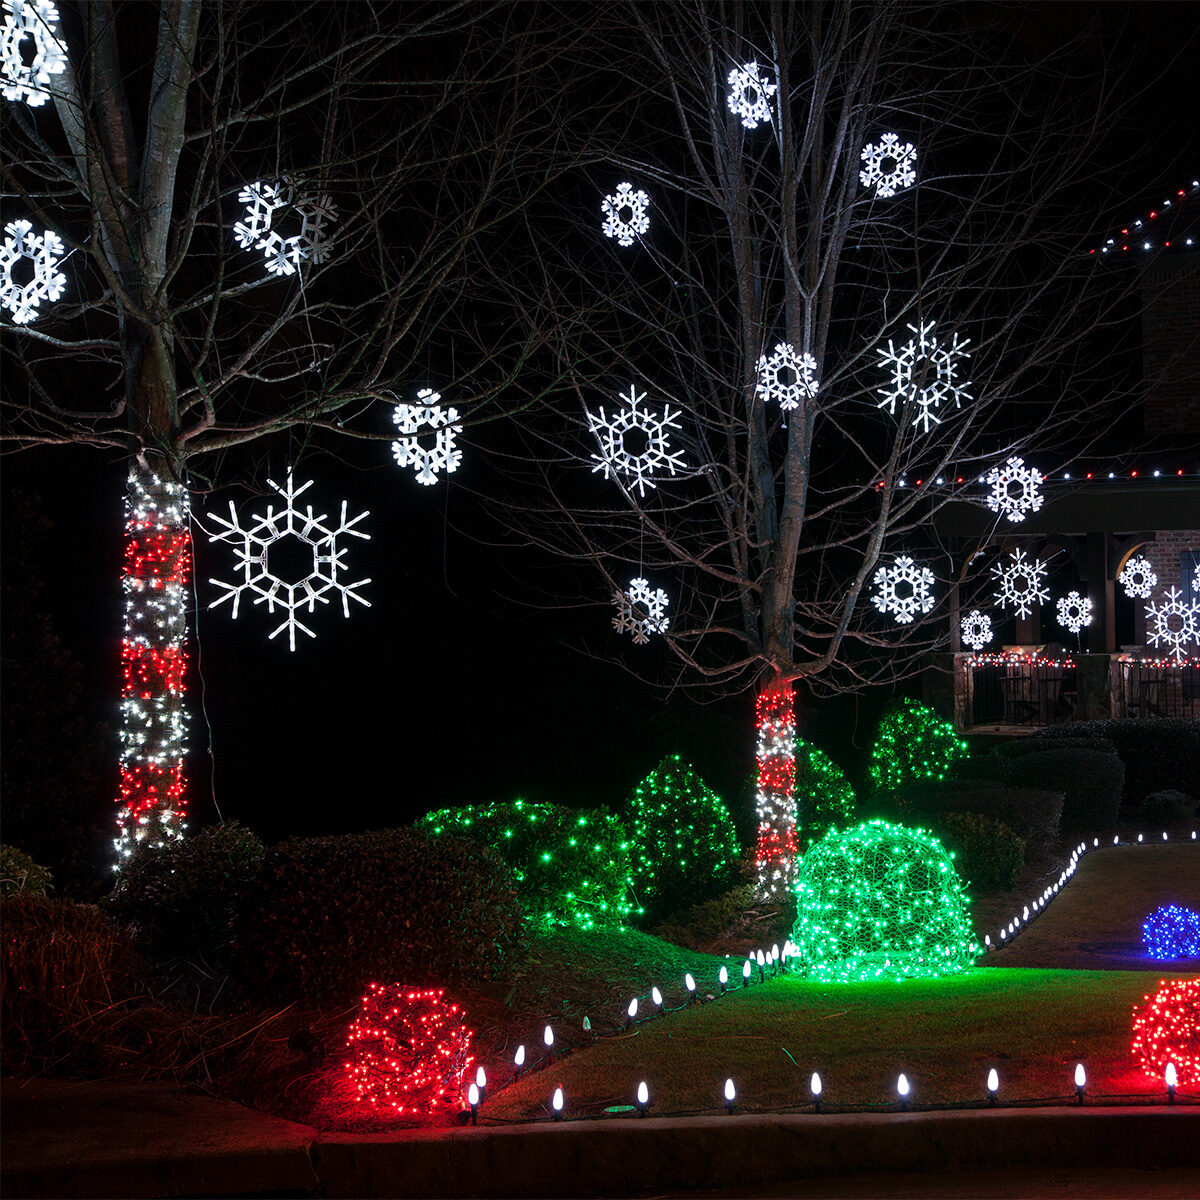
1165	554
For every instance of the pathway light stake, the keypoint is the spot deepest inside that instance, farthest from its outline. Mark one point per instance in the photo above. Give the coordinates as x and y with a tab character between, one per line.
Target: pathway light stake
657	997
730	1097
473	1101
548	1038
723	979
993	1085
1171	1078
690	984
519	1061
761	958
481	1082
1080	1082
643	1098
557	1103
631	1013
587	1026
902	1090
814	1086
746	973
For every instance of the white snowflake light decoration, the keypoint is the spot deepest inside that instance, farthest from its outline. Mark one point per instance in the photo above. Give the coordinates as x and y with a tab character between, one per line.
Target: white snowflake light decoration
46	281
1074	611
787	376
267	204
976	629
1021	582
924	373
625	214
641	611
36	20
618	457
1196	580
904	589
261	547
410	419
888	167
1014	489
748	95
1138	577
1173	624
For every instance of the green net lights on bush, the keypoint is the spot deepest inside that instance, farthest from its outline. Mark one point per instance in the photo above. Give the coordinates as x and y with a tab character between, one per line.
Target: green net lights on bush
824	798
913	742
881	901
684	844
572	866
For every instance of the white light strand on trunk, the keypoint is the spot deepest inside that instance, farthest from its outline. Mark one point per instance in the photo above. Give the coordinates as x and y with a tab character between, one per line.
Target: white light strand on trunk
775	801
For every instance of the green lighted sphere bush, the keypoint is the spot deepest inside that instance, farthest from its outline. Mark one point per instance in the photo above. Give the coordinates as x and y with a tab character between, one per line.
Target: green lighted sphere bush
881	901
913	742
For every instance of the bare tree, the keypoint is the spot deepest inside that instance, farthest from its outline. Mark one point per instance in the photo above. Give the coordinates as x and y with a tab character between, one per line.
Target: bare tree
375	146
944	327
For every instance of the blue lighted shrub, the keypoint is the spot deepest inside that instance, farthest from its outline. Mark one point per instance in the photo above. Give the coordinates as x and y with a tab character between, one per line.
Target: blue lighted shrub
572	866
913	742
1172	932
824	798
683	843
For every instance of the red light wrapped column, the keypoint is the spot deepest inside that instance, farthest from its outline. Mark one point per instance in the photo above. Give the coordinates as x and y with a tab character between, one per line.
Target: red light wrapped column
775	852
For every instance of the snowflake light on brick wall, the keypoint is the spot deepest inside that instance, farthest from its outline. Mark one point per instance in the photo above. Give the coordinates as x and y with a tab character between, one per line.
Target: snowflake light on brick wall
407	450
30	26
787	377
625	214
1074	611
976	629
889	167
1014	489
1138	577
904	589
619	454
748	95
641	611
924	373
1173	623
267	206
1021	581
46	282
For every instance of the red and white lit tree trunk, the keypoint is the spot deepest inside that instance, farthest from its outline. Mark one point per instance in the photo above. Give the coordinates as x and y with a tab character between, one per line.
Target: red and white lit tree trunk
775	796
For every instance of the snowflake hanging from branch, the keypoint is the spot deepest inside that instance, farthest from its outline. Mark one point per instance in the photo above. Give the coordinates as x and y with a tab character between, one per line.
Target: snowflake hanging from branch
924	373
36	20
888	167
619	456
625	214
1174	623
641	611
1020	581
787	377
1138	577
410	419
46	282
263	547
1074	611
976	629
1014	489
748	95
267	206
904	589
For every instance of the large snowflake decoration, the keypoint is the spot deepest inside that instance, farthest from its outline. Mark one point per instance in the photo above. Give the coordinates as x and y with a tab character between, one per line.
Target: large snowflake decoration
904	589
1173	624
410	419
924	373
1074	611
45	282
748	95
289	559
1021	581
1014	489
27	77
1138	577
267	205
625	214
641	611
619	457
890	166
787	376
976	629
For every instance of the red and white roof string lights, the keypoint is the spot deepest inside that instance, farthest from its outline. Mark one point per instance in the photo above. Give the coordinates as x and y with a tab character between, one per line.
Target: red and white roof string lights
1138	234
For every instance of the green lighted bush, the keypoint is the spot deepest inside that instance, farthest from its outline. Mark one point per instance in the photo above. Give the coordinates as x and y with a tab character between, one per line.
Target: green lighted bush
572	866
880	901
913	742
824	798
683	843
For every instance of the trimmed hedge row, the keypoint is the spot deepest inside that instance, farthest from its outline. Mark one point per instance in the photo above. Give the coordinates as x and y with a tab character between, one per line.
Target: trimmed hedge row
1089	780
1027	812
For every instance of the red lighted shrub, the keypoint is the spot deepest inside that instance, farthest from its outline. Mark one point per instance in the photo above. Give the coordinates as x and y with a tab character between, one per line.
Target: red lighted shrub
1167	1029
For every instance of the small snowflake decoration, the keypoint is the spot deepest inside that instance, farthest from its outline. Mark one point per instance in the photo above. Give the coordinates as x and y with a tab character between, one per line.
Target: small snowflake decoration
904	589
616	458
900	173
1196	580
1020	583
1138	577
47	281
410	419
1074	611
787	376
1014	489
266	204
924	373
976	629
625	214
36	20
641	611
1173	624
319	556
748	95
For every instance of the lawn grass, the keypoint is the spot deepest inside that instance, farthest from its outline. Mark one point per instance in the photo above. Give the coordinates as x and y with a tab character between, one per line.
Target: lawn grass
1032	1025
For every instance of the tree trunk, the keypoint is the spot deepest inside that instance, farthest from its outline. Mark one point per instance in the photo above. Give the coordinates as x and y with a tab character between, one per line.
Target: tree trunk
158	563
775	852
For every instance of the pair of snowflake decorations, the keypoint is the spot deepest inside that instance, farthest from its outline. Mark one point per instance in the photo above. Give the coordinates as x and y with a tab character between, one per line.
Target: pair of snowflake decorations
1014	489
1138	577
1021	582
1175	623
749	95
787	377
634	441
889	166
29	270
271	208
1074	611
625	214
429	415
924	373
289	559
30	50
904	590
976	629
641	611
